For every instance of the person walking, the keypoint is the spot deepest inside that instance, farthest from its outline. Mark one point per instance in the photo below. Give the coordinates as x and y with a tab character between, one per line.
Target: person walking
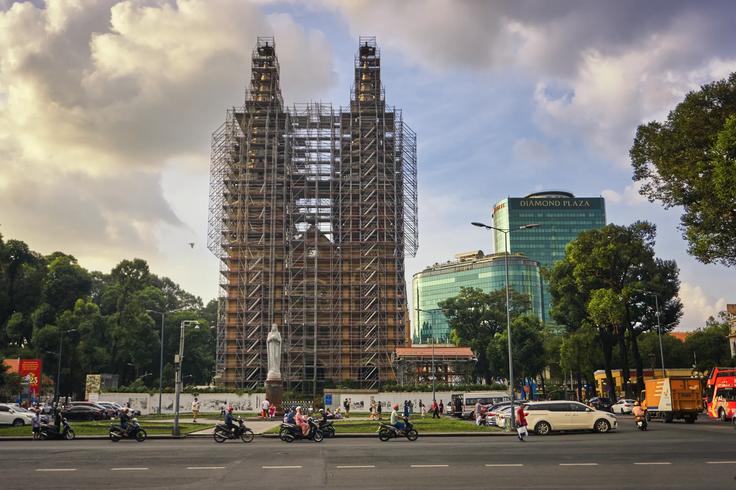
406	408
379	410
372	414
411	407
272	411
433	409
521	423
346	404
195	409
422	408
441	409
36	423
478	417
265	405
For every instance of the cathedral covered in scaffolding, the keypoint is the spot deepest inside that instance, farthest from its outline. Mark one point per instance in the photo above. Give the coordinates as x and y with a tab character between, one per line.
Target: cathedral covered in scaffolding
312	211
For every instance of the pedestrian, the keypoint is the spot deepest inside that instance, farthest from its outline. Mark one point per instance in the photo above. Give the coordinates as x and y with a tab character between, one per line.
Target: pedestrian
521	430
433	409
406	408
422	408
441	409
272	411
265	405
379	410
346	404
195	409
36	423
411	407
372	411
478	418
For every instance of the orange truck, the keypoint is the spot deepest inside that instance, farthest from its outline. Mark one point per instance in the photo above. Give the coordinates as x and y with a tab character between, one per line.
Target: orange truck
673	398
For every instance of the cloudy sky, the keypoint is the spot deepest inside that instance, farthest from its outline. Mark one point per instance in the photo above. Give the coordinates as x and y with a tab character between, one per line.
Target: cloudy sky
106	112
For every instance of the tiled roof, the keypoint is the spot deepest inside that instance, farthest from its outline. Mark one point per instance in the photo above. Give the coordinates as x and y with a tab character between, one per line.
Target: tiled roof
439	351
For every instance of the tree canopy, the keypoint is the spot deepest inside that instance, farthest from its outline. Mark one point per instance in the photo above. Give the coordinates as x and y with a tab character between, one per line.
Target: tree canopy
689	160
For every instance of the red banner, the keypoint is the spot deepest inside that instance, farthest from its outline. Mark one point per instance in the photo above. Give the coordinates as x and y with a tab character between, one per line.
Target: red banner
30	371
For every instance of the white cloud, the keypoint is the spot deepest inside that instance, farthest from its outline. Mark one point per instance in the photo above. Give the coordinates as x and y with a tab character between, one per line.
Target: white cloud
629	196
697	306
97	98
532	151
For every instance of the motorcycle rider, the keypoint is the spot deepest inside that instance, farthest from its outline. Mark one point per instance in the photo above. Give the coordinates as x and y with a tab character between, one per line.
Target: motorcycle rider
399	426
301	421
124	419
229	419
639	413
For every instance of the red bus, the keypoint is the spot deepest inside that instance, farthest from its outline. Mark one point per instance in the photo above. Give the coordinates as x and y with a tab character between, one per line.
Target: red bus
721	393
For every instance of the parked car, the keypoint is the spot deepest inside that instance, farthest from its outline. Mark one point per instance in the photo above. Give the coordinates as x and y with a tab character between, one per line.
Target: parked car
502	414
110	412
548	416
113	409
601	403
10	415
84	412
624	405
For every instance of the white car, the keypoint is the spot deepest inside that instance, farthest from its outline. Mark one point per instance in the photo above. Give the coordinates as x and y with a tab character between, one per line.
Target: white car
624	405
548	416
9	415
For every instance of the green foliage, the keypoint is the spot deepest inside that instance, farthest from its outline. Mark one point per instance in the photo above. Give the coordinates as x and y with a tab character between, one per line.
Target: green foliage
475	317
100	319
710	344
527	347
676	354
689	160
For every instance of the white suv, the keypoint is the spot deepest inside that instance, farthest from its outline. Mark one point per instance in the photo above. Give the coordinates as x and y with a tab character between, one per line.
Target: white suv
545	417
10	416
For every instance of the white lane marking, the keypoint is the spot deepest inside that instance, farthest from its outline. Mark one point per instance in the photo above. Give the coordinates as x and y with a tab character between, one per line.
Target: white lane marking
205	467
578	464
355	466
651	463
720	462
280	467
128	469
515	465
56	469
429	465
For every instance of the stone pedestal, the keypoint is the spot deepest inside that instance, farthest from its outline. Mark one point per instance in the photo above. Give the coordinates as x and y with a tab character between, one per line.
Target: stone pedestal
275	393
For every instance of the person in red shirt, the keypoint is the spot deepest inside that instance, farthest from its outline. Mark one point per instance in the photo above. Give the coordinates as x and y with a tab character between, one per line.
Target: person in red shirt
521	430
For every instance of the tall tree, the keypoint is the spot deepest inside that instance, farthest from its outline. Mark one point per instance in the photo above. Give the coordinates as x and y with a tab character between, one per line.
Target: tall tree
689	160
527	349
475	317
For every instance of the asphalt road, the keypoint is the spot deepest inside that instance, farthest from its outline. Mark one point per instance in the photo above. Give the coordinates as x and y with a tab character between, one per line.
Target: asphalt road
702	455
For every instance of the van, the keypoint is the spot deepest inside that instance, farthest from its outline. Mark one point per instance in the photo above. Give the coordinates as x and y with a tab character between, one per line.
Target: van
548	416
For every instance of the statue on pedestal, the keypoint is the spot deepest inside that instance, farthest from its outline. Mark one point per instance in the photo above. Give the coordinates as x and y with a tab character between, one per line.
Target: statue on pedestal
273	344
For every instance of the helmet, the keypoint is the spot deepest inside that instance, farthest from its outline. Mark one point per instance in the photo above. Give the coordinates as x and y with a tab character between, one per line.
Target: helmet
230	408
396	406
321	410
636	403
299	407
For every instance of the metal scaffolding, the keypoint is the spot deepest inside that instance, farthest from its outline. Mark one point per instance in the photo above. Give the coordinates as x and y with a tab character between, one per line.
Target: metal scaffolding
312	211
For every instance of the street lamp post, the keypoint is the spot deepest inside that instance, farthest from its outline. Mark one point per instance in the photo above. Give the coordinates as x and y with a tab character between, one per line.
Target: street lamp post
58	365
434	369
508	304
659	328
161	357
178	361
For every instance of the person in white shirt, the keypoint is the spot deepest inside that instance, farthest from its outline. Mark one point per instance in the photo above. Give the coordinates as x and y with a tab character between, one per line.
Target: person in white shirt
264	408
195	409
478	417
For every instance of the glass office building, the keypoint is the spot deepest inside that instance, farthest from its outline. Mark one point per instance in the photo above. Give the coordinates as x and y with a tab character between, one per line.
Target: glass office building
561	216
442	281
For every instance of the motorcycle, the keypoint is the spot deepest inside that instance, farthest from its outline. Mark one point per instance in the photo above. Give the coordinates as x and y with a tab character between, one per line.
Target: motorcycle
641	422
328	430
134	432
49	431
292	432
222	433
387	431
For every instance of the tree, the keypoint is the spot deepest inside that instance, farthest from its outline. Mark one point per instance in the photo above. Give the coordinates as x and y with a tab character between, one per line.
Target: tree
620	261
475	317
709	345
579	353
690	161
676	354
527	349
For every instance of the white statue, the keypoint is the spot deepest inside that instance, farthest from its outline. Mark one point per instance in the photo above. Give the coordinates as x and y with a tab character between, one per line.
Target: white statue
273	343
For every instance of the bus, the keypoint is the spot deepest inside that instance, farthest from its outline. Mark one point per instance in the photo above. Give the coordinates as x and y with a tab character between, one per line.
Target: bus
464	403
720	395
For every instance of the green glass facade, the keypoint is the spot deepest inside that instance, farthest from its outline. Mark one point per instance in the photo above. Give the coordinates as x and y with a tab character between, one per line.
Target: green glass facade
443	281
561	216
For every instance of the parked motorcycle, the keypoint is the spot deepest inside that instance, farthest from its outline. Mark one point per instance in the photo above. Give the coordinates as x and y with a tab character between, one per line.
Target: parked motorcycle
134	432
222	433
292	432
49	431
328	430
388	431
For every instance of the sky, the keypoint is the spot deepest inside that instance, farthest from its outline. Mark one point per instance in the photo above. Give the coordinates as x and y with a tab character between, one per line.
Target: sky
107	110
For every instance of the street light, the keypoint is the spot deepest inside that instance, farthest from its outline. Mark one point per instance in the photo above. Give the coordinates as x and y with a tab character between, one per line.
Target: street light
58	366
508	304
434	369
659	329
178	359
161	356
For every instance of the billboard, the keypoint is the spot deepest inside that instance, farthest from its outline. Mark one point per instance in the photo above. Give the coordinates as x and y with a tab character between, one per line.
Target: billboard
30	373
